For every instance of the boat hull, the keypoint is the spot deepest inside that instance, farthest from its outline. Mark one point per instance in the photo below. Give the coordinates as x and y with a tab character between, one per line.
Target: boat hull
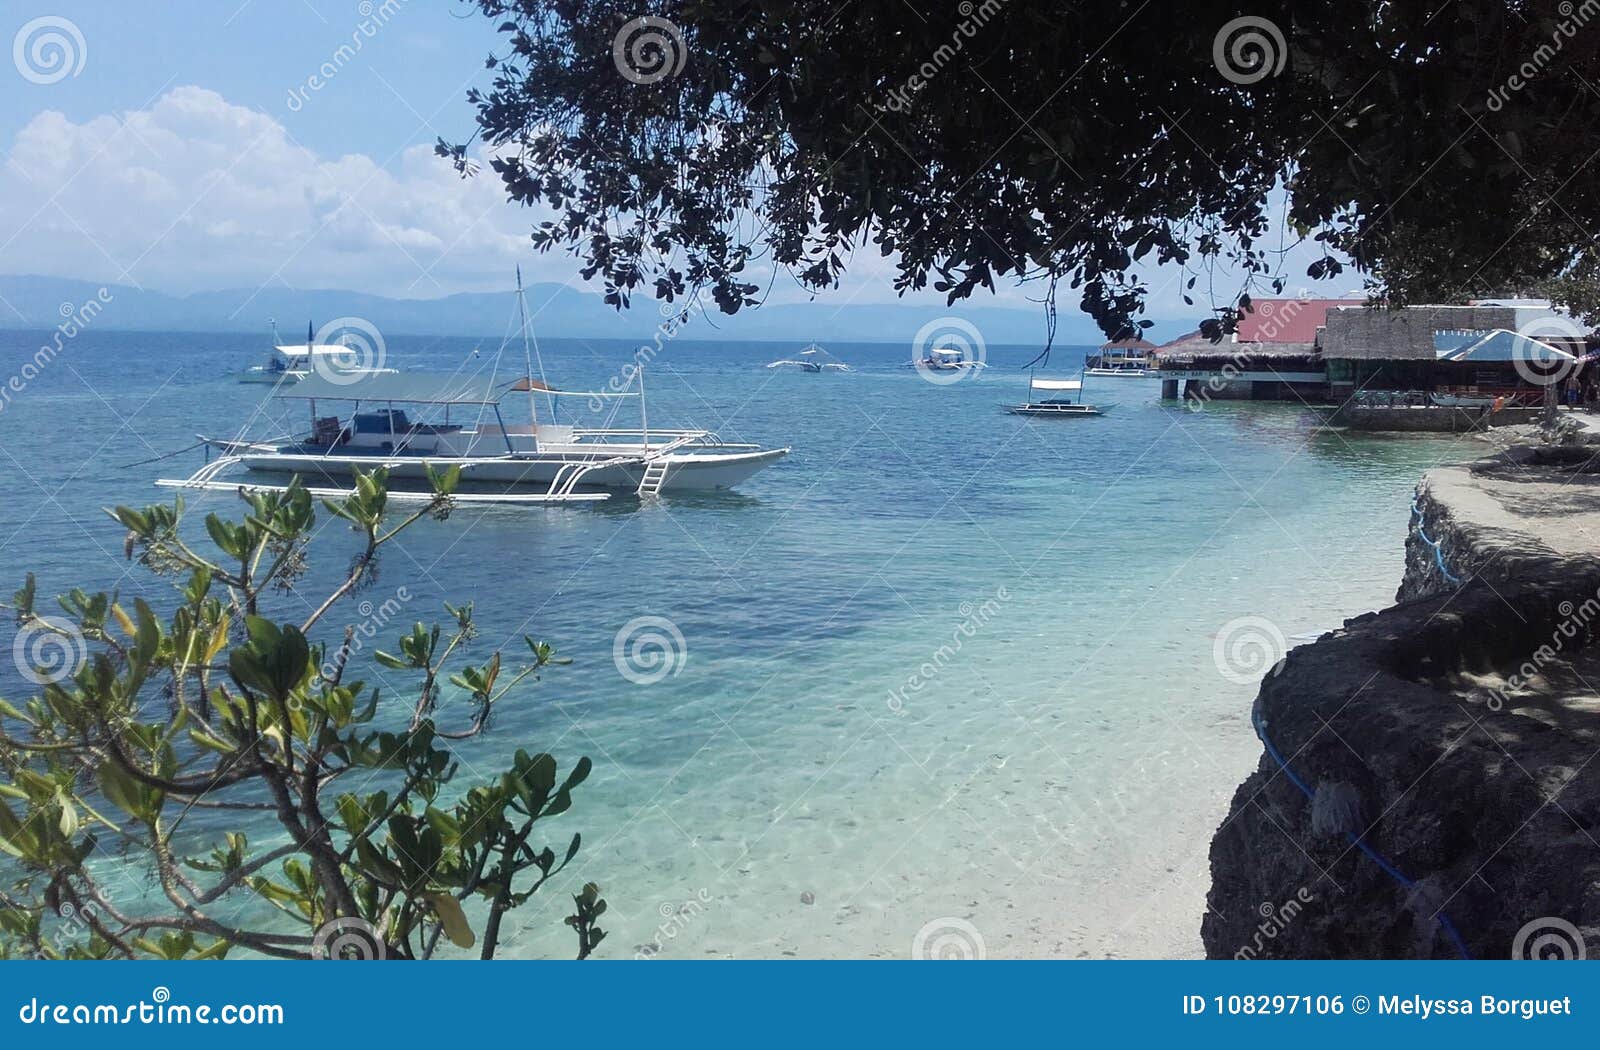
686	472
1057	410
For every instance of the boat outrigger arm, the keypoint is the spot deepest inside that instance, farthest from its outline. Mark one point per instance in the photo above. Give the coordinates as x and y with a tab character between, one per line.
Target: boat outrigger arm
529	463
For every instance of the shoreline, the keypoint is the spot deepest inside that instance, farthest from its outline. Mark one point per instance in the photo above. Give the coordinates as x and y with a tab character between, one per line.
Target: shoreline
1426	772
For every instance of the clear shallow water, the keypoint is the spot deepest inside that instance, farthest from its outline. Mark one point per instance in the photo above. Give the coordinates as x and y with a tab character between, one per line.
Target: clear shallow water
942	663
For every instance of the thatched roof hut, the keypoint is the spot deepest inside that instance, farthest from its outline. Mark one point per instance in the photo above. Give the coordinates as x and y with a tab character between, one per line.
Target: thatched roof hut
1377	334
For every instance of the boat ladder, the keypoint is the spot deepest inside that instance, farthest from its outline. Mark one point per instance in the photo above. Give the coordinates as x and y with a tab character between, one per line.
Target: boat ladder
655	474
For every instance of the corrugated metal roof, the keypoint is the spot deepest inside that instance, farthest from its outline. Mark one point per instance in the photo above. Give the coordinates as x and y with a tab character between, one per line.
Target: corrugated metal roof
1288	320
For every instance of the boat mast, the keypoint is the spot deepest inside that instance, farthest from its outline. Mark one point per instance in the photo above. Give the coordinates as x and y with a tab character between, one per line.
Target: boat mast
644	417
527	356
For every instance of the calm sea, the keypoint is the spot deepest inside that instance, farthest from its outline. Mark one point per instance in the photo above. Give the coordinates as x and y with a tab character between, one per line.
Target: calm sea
945	680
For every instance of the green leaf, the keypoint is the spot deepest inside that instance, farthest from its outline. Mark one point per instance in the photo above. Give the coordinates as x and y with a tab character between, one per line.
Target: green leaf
452	919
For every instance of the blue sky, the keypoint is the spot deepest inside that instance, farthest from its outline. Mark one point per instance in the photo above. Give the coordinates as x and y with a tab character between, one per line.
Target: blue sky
407	86
182	149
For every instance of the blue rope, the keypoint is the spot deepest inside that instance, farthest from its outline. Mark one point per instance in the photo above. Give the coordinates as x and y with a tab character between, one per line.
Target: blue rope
1356	840
1438	552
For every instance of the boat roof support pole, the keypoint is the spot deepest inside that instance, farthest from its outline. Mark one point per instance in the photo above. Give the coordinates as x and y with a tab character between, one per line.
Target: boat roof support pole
504	433
644	415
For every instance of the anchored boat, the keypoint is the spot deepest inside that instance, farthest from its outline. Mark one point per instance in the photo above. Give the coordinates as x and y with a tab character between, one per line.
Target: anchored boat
290	364
1059	405
410	423
945	359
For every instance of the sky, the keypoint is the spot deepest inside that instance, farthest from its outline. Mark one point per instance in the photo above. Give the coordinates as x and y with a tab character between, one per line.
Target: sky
180	146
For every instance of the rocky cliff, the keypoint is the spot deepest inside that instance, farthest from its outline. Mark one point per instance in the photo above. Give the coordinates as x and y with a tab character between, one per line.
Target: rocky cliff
1430	785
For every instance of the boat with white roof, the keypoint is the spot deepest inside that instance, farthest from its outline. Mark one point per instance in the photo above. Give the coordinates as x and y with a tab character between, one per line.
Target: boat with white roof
286	363
412	424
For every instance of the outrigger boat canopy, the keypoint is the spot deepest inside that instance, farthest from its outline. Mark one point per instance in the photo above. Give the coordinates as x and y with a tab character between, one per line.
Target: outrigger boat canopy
425	389
1056	406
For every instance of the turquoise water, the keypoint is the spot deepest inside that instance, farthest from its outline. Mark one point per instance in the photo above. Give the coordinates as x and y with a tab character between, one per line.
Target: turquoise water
947	675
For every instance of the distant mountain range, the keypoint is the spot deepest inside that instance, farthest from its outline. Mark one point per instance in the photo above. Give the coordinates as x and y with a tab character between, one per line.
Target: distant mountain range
558	311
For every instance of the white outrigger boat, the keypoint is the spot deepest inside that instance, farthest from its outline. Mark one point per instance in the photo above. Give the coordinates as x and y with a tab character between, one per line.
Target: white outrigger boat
379	424
290	364
945	359
1056	406
813	359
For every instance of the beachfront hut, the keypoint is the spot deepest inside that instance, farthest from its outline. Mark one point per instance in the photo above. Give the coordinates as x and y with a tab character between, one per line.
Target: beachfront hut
1472	349
1122	355
1273	355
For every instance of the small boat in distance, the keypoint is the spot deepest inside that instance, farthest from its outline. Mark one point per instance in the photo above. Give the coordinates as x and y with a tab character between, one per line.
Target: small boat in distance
290	364
1056	406
945	359
813	359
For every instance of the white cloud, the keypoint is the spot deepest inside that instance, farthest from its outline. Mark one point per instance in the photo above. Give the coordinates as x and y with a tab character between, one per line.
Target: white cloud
195	193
